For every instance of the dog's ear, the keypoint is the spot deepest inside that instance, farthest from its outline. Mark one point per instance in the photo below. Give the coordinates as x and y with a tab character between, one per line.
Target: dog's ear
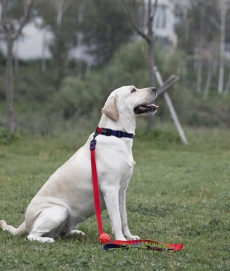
110	109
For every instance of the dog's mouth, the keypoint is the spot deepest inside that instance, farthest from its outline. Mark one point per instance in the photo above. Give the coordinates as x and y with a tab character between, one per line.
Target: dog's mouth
145	109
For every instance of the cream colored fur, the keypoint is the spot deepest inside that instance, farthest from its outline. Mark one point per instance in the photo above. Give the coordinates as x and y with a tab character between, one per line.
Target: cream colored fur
110	109
66	199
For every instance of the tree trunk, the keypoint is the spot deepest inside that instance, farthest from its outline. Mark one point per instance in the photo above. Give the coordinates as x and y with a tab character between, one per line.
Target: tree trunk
151	64
9	84
201	43
43	58
11	33
149	38
60	4
15	59
227	87
208	84
151	118
171	108
222	47
199	75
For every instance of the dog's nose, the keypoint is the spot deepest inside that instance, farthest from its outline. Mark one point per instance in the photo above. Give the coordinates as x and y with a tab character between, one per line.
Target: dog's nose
154	89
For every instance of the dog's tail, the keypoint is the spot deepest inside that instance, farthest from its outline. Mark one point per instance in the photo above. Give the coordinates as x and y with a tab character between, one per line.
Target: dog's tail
21	230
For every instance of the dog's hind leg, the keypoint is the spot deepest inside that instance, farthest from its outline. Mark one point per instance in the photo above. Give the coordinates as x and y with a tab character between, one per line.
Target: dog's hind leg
21	230
51	223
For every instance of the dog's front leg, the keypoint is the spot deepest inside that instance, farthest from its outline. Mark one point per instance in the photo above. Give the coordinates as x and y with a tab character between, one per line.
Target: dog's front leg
124	220
111	197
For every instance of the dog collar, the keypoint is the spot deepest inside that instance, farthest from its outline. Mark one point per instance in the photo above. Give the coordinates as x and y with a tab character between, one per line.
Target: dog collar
110	132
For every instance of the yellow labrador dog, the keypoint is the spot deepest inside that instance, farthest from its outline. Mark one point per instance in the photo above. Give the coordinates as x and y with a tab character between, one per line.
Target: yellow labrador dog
66	199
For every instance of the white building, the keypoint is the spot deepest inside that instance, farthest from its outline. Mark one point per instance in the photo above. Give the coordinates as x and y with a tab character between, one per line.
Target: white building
33	43
164	20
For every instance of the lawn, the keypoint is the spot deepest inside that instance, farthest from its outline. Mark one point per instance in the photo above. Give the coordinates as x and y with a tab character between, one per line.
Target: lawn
178	194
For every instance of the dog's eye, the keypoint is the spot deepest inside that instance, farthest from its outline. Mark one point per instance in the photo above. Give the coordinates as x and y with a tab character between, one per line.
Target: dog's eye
133	90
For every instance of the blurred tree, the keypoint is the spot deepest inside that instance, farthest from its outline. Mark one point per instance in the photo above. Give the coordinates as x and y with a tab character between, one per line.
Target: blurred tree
14	16
105	27
143	25
222	45
190	19
60	17
202	27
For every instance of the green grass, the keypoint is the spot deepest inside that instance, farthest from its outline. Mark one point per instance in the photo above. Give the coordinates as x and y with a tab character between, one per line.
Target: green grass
178	194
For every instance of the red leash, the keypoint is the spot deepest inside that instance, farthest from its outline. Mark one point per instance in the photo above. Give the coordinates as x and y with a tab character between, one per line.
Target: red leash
104	238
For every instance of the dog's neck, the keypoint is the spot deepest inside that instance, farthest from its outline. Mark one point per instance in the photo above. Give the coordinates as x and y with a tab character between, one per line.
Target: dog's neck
127	125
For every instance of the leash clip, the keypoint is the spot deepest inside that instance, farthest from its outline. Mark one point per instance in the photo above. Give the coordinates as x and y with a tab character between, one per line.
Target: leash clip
92	145
93	142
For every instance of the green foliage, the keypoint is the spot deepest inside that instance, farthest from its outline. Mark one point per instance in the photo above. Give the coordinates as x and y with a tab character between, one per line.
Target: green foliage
14	9
2	88
193	27
160	136
128	66
77	96
168	61
179	194
83	96
7	138
31	84
41	109
105	27
64	30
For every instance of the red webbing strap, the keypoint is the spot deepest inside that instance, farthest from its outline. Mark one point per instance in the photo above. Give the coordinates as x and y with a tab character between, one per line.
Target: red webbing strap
95	191
148	242
104	238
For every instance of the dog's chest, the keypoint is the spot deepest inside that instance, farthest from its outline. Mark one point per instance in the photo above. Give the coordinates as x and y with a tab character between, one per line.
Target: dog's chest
130	160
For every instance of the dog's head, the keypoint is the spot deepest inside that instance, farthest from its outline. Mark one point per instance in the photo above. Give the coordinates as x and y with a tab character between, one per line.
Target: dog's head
130	102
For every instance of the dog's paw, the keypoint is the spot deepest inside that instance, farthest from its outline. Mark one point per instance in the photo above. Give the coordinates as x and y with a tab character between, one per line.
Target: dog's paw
2	224
47	240
121	239
133	237
77	232
40	239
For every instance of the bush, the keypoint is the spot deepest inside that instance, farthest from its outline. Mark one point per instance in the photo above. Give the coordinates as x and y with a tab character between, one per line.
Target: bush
128	67
7	138
159	135
77	97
